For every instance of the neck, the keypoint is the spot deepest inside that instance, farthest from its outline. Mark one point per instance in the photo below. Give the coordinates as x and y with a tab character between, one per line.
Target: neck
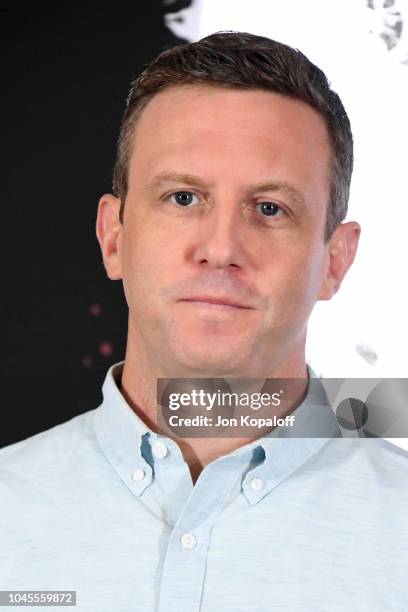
139	388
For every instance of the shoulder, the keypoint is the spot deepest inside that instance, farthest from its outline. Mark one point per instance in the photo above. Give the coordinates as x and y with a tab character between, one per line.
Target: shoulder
388	450
48	452
370	460
389	460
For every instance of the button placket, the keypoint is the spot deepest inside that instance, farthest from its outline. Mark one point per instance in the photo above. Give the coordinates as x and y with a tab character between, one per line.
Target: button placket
191	536
188	540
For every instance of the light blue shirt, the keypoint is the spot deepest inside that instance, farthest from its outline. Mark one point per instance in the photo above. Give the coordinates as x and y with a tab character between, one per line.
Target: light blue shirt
104	506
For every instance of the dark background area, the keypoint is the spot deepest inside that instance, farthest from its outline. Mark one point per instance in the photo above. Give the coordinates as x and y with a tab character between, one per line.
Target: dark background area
65	77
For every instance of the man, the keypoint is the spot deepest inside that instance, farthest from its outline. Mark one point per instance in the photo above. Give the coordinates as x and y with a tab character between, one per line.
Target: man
231	185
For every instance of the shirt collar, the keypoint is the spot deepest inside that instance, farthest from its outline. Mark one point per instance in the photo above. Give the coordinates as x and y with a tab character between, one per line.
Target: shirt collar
287	449
121	432
126	439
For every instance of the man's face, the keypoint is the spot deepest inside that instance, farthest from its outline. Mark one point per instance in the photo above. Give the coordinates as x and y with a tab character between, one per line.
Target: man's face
227	201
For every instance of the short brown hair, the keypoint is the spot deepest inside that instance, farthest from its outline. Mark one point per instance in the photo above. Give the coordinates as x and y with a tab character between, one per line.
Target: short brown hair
244	61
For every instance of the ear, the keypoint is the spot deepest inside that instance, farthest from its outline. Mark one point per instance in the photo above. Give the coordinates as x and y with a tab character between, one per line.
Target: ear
341	251
109	232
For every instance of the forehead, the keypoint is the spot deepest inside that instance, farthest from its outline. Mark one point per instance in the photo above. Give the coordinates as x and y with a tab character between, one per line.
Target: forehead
246	111
213	129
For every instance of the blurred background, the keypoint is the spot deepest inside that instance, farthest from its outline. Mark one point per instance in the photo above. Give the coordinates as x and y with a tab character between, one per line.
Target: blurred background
66	77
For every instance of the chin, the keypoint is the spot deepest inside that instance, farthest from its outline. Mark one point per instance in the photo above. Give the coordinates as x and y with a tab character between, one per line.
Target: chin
210	358
212	346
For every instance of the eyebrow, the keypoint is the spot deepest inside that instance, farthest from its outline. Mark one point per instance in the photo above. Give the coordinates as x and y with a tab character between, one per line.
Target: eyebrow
164	178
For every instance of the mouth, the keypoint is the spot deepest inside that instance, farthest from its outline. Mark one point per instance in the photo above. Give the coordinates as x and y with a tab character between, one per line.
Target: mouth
216	303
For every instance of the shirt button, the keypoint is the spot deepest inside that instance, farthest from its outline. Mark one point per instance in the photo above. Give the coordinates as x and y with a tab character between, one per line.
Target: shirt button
138	475
256	484
160	450
188	541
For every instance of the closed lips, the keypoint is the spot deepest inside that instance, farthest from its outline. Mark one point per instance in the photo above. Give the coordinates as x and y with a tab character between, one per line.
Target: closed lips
221	301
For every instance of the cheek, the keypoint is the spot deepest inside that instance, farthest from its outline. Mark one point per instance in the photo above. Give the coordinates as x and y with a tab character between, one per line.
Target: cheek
294	280
147	261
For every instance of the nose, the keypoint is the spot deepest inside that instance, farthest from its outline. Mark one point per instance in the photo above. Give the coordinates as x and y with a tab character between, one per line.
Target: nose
219	238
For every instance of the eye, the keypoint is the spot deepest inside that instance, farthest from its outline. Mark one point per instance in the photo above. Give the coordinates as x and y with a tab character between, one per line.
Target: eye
269	209
183	198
